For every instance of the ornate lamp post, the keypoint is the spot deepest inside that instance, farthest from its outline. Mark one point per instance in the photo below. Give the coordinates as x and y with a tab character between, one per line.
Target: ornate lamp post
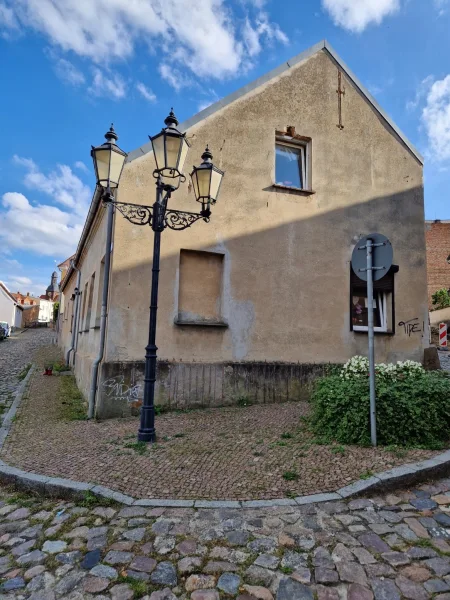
170	148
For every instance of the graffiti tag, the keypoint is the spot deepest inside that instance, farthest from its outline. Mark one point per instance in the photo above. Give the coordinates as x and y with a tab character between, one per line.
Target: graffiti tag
411	326
117	389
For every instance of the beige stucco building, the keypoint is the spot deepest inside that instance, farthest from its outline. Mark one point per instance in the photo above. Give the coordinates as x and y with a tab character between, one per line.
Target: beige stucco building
253	303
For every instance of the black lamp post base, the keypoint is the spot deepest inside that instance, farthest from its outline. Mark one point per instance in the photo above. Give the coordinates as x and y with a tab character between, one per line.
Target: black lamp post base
147	435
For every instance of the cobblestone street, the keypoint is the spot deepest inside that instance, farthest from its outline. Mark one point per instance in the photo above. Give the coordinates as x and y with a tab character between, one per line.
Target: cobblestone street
384	548
16	354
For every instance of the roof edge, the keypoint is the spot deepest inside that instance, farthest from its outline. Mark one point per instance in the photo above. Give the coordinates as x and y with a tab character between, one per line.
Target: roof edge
322	45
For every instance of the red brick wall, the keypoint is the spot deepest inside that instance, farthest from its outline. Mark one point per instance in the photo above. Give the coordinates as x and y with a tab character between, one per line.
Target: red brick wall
438	249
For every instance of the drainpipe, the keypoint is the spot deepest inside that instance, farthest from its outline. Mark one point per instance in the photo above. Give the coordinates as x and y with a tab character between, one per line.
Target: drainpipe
103	315
75	314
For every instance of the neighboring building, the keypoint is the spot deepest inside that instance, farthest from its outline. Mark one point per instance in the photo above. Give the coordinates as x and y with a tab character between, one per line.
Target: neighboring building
437	235
45	311
250	300
30	314
10	310
26	299
64	266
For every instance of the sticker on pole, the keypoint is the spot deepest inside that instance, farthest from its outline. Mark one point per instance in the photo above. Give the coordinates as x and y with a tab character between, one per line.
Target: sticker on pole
382	256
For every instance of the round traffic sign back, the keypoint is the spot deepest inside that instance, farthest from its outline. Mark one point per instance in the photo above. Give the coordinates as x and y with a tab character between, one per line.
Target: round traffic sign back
382	256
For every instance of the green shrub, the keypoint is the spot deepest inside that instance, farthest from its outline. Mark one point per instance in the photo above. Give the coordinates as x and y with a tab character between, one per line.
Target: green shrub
412	410
440	299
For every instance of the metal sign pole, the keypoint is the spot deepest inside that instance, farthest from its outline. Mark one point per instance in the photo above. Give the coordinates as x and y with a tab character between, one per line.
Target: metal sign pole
373	422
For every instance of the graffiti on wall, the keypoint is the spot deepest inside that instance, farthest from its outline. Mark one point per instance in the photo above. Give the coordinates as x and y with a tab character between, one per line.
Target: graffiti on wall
116	389
412	326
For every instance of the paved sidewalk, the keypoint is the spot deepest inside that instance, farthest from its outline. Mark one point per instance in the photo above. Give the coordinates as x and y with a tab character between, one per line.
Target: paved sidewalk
15	355
388	547
249	453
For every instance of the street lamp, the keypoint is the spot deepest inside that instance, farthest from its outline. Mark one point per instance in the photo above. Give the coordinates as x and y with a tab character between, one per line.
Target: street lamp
170	148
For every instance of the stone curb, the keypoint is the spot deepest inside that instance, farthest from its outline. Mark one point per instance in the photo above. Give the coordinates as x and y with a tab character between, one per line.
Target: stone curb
58	487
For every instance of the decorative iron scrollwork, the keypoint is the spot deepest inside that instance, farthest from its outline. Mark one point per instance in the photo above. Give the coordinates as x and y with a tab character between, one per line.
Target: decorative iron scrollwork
178	219
135	213
139	214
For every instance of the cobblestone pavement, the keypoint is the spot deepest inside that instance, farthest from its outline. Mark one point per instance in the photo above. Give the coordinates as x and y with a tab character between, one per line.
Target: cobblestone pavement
246	453
15	356
444	359
388	547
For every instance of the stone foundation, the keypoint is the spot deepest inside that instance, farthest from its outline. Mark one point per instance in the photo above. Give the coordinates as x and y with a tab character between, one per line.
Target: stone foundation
194	385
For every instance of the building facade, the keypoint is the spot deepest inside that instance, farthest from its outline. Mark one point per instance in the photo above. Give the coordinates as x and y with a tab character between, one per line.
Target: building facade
257	301
10	310
437	235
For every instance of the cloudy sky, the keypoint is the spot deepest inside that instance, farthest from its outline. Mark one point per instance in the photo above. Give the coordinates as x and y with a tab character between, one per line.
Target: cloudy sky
70	67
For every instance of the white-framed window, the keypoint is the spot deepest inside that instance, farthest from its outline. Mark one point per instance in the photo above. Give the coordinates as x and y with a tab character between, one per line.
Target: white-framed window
383	303
292	162
360	313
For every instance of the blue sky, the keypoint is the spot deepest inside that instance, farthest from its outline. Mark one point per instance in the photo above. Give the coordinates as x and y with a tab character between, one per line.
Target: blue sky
70	67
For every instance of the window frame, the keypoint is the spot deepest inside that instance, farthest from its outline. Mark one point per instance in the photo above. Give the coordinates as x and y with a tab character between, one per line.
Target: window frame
304	144
385	287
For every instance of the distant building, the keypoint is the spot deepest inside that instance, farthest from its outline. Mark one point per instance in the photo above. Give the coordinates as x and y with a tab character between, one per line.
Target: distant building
437	235
25	299
10	309
52	292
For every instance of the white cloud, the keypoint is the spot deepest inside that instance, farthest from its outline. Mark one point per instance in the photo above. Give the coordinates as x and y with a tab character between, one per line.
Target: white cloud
79	164
61	184
145	92
436	119
202	36
356	15
174	77
8	21
43	229
421	93
107	83
17	284
441	6
68	73
263	29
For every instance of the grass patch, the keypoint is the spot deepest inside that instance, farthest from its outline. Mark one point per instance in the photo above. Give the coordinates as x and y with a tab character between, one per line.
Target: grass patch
286	436
138	447
243	401
24	372
90	500
290	475
138	586
286	570
73	406
397	451
178	435
59	366
366	474
337	450
22	499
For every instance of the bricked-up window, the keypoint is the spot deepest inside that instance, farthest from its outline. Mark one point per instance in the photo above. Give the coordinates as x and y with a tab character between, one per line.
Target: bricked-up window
383	303
83	312
200	288
98	310
89	306
292	160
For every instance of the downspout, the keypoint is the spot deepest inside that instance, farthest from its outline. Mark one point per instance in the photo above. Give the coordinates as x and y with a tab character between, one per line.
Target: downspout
103	315
75	315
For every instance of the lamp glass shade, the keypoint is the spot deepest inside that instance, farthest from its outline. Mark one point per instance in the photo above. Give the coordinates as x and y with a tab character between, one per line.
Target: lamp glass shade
109	160
204	181
216	180
159	151
173	144
116	166
101	164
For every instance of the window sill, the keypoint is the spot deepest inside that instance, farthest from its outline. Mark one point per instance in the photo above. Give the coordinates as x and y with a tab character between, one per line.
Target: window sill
299	191
376	331
96	327
201	323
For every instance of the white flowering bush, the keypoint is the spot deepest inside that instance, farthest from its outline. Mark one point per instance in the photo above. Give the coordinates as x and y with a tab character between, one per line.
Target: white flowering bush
358	367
